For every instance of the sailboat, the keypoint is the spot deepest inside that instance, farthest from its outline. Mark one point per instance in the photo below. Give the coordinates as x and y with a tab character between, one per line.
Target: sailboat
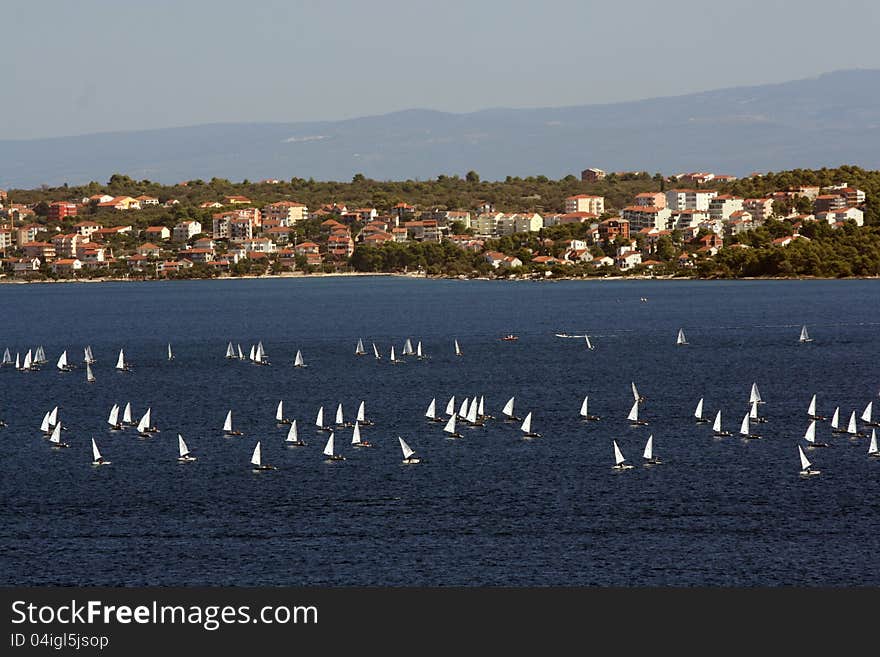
97	459
113	419
431	413
681	339
257	460
121	365
185	455
126	415
143	427
457	349
7	357
356	437
359	350
633	416
463	409
811	410
17	361
230	352
648	454
227	426
449	429
805	464
450	406
319	420
298	360
419	353
340	419
376	352
292	439
805	337
835	421
90	376
53	417
328	450
619	461
170	355
872	448
508	413
636	394
481	410
589	344
409	456
279	414
698	413
28	363
62	363
260	357
252	354
585	413
866	415
55	438
394	359
753	414
810	436
754	395
852	429
407	348
716	427
89	358
240	354
362	416
46	425
744	430
472	418
526	427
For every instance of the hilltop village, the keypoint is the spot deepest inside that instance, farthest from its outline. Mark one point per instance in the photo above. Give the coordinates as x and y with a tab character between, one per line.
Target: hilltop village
696	224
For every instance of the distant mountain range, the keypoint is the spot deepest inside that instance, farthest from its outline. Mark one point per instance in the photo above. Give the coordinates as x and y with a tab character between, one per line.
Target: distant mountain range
829	120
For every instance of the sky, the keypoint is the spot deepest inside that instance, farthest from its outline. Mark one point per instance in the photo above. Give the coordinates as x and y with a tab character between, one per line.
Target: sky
106	65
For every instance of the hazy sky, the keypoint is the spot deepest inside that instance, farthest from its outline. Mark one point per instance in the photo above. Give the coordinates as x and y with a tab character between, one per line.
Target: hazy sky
80	66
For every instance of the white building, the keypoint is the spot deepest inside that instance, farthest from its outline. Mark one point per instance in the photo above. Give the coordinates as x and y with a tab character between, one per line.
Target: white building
724	205
689	199
585	203
185	230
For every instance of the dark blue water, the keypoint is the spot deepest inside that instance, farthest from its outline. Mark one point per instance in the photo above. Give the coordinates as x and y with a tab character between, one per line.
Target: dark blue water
488	509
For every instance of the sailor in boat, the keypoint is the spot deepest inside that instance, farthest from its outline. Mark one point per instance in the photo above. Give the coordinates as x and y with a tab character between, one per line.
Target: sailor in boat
264	466
2	424
510	337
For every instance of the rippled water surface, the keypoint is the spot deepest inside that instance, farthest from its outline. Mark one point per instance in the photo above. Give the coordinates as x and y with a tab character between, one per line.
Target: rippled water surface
487	509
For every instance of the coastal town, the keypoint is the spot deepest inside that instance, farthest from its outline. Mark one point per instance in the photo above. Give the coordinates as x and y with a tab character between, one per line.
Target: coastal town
677	226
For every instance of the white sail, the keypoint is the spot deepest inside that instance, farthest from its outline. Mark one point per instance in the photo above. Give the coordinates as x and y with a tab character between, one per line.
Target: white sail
328	448
339	417
407	452
866	414
359	350
635	391
419	349
120	362
56	434
126	414
753	411
90	377
805	462
258	354
256	457
407	347
253	353
298	361
851	427
53	416
472	412
26	365
376	352
463	410
481	409
744	427
431	413
96	455
62	360
618	456
230	351
589	344
319	421
279	411
508	407
356	434
181	446
633	412
17	361
649	448
113	418
810	434
227	423
698	411
361	414
85	354
45	425
584	404
457	349
240	355
872	448
754	395
835	419
450	406
527	423
716	426
680	339
90	356
805	337
292	433
144	423
170	355
7	357
392	354
450	424
811	410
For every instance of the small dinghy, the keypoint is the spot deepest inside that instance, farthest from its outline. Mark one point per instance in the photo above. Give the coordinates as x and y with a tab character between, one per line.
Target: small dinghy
185	455
409	456
526	427
257	461
97	459
585	413
227	426
292	439
619	460
806	466
328	450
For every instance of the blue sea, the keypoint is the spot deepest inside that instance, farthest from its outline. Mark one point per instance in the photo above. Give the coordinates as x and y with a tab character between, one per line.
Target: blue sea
488	509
